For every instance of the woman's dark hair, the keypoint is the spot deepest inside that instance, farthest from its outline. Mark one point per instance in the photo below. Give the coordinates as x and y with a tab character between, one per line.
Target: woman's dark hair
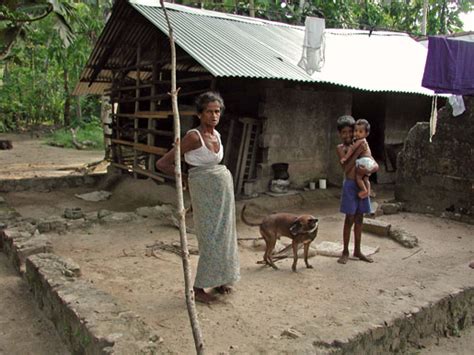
204	99
364	123
345	121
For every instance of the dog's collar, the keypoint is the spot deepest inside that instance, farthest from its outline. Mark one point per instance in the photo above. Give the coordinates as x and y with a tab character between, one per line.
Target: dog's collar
314	229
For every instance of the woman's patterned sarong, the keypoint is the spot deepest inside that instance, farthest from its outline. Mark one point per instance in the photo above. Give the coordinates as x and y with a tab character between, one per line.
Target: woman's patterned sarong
212	197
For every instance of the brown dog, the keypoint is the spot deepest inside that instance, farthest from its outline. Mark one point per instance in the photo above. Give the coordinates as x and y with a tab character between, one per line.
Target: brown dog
301	229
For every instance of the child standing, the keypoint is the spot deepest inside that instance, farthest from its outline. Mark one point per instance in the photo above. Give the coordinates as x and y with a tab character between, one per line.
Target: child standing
364	159
351	204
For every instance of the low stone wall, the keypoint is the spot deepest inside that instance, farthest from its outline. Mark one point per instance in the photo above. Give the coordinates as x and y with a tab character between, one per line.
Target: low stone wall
90	321
45	184
446	317
21	240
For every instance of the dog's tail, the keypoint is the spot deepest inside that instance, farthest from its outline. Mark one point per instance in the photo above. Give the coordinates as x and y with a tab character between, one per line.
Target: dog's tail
242	217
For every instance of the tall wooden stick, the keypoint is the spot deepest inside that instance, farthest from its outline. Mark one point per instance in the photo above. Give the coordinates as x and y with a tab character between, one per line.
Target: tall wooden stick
197	334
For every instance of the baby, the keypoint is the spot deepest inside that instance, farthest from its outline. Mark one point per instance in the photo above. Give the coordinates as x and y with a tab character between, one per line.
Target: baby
361	132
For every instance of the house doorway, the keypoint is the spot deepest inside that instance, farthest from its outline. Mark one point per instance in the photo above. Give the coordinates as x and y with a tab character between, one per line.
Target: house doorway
371	106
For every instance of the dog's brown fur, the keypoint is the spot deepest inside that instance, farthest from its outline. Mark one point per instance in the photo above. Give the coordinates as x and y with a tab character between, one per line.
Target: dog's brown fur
300	229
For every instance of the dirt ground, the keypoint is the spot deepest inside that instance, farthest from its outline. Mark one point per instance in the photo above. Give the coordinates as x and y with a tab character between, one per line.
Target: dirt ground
31	157
327	302
23	327
331	301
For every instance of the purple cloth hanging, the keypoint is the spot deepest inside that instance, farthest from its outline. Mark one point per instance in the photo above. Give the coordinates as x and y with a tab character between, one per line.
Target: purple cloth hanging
449	67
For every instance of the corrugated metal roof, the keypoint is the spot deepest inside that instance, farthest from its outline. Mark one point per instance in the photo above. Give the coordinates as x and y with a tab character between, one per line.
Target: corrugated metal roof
236	46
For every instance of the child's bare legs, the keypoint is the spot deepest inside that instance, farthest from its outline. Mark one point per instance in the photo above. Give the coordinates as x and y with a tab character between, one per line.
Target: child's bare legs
363	193
348	222
358	220
367	185
351	220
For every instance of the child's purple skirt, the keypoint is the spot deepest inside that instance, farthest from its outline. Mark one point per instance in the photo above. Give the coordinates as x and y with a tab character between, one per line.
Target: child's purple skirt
350	201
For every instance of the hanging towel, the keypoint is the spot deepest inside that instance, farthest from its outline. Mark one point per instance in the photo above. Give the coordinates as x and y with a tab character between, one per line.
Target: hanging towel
434	117
449	66
313	47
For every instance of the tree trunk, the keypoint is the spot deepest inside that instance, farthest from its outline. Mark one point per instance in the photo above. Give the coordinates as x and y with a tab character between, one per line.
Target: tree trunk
105	119
67	99
443	18
252	8
425	17
78	109
189	292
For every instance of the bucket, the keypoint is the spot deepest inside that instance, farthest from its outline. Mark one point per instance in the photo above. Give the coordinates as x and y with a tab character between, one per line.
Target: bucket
322	184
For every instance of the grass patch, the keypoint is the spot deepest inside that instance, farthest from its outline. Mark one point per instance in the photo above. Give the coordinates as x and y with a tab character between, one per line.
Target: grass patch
88	133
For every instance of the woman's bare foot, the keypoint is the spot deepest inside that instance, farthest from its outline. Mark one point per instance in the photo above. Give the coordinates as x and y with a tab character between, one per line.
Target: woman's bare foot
201	296
363	194
343	259
363	257
224	289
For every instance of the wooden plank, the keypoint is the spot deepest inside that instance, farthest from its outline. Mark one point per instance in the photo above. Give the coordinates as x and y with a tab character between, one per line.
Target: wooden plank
152	123
163	96
153	114
150	84
229	142
244	157
155	132
131	87
254	153
137	108
141	147
155	176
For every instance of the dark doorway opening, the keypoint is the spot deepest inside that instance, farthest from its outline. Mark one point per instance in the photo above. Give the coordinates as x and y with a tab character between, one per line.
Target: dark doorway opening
371	106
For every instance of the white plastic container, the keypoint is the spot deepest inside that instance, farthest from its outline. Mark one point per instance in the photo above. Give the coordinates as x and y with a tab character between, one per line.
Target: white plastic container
322	184
312	185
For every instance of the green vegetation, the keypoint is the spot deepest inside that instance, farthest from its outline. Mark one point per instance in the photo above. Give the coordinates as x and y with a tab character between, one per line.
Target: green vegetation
44	44
89	134
41	65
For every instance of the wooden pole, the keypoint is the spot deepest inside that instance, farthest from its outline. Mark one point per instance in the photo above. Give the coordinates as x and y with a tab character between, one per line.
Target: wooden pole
197	334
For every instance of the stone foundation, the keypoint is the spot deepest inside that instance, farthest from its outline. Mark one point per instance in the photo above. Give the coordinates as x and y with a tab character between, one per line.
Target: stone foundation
90	321
445	317
46	184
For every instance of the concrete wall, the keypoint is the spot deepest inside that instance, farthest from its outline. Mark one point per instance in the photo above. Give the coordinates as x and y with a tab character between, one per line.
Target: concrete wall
402	112
299	129
439	176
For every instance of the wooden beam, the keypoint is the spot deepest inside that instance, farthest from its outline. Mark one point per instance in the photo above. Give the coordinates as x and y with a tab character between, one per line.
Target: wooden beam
141	147
155	176
164	96
155	132
153	115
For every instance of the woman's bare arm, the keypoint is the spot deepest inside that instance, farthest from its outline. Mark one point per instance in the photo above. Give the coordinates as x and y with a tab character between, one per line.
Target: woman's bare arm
189	142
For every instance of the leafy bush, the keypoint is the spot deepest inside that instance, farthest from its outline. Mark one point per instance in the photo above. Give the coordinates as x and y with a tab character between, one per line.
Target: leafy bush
86	132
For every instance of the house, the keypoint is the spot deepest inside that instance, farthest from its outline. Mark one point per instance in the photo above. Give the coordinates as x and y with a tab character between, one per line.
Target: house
275	112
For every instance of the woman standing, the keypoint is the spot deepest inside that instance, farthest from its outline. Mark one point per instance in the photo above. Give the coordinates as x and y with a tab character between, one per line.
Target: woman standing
212	197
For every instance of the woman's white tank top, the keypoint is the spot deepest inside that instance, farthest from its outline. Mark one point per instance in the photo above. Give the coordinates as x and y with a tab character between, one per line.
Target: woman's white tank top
203	156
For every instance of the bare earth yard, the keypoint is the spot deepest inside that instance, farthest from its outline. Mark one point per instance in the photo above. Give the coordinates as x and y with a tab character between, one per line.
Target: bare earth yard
331	301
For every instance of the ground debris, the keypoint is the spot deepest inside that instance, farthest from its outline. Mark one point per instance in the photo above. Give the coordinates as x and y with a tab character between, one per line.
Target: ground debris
291	333
174	248
403	237
95	196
